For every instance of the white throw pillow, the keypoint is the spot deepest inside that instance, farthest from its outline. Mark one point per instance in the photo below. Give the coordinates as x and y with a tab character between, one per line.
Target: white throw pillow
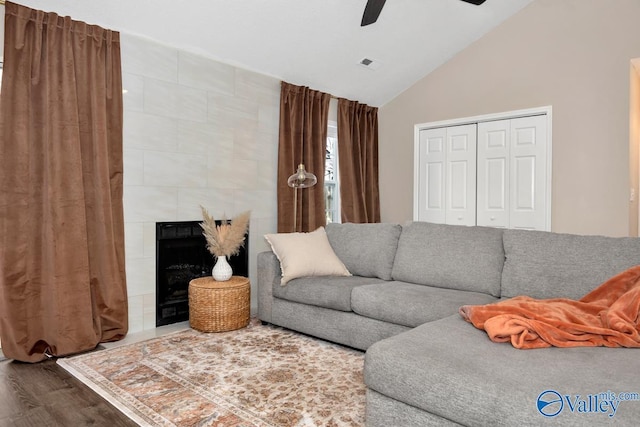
305	254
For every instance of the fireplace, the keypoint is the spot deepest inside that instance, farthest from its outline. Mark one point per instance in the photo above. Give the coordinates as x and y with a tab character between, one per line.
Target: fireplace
181	255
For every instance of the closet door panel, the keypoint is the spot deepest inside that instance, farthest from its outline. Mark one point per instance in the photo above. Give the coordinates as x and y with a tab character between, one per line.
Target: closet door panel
493	173
461	175
431	197
528	178
524	183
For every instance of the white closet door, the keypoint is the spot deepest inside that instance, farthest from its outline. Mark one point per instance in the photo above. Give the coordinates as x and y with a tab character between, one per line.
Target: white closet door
493	173
431	185
528	175
447	165
512	176
460	185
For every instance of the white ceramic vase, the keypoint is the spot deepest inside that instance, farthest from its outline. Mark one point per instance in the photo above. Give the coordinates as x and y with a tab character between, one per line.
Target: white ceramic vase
222	270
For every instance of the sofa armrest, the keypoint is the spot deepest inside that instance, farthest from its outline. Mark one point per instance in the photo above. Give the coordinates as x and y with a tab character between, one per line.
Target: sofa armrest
269	274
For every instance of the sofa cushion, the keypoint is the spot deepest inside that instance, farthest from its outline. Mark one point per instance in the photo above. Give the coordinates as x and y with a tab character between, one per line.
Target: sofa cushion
450	256
553	265
365	249
451	369
411	305
323	291
305	254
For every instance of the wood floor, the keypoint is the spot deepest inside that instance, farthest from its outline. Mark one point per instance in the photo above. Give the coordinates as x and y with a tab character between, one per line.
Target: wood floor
44	394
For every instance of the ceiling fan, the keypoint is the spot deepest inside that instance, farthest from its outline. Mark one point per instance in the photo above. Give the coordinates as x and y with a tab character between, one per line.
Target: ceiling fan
374	7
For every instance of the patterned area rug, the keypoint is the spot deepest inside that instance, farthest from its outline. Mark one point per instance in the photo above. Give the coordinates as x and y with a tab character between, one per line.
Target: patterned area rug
256	376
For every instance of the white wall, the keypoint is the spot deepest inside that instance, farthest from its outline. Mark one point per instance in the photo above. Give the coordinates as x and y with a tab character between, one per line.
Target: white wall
634	145
196	132
573	55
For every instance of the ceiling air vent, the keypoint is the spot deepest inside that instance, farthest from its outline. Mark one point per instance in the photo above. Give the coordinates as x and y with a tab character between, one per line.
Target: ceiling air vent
369	64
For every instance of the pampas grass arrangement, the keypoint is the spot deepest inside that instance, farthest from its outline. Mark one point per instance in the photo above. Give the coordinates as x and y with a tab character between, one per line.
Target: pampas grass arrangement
227	238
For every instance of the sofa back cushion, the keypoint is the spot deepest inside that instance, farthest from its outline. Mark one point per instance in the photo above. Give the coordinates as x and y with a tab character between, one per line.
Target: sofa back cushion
450	256
366	250
542	264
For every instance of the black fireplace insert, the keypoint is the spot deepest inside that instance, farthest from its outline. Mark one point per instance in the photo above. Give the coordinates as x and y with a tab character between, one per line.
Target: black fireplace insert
182	255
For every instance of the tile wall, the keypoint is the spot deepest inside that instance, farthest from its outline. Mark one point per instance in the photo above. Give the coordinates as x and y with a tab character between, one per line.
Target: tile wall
196	131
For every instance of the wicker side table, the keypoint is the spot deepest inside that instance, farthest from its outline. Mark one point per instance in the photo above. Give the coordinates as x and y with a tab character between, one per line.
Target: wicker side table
219	306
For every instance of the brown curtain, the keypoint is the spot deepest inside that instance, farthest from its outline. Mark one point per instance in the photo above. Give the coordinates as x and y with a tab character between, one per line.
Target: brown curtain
62	274
304	115
358	162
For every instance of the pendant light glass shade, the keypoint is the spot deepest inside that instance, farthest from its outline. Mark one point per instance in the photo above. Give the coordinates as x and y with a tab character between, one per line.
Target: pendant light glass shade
302	178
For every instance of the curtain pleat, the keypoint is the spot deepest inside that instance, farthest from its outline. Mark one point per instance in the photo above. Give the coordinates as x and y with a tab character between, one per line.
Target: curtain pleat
304	115
358	162
62	272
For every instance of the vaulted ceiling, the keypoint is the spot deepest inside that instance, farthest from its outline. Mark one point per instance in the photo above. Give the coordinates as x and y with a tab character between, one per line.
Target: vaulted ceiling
316	43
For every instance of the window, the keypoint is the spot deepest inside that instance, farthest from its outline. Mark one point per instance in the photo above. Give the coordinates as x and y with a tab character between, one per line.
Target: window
331	180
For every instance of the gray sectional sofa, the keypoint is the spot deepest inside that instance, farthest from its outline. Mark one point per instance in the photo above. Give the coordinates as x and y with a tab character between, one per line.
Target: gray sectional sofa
424	364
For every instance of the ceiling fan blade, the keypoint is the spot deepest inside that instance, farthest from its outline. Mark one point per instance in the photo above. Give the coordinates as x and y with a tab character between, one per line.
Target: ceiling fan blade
372	11
476	2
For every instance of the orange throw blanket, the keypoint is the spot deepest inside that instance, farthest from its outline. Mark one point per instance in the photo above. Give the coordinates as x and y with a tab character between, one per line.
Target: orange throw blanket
608	316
